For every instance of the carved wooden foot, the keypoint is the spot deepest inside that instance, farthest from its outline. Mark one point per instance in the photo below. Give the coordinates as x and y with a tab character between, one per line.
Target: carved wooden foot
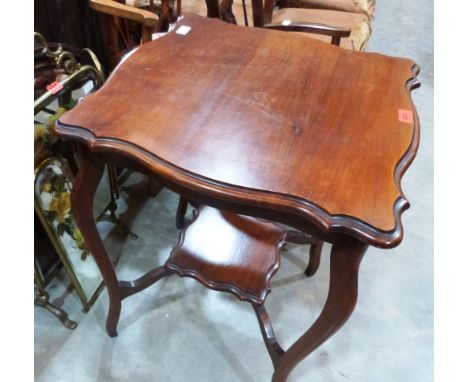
342	296
82	197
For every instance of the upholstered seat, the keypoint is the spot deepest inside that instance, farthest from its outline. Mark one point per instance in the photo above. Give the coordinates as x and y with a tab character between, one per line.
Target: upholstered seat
358	6
359	24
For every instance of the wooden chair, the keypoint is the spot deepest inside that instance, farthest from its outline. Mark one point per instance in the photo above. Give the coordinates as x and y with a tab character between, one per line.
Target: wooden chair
150	26
347	29
123	26
366	7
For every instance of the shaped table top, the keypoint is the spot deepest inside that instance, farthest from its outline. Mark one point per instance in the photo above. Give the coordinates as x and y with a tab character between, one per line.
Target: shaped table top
263	114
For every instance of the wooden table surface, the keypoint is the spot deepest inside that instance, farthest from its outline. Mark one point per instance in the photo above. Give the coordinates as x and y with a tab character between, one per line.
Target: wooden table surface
275	116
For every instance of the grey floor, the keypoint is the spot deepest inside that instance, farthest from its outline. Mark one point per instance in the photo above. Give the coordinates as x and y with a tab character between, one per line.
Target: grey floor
179	331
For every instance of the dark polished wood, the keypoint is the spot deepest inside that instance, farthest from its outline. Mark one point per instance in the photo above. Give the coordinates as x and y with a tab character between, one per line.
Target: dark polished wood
229	252
273	347
259	123
69	22
262	11
82	196
315	251
315	254
238	254
181	211
345	259
342	296
264	92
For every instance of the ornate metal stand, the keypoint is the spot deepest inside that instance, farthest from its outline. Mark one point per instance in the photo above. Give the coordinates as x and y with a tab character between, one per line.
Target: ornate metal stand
42	300
64	69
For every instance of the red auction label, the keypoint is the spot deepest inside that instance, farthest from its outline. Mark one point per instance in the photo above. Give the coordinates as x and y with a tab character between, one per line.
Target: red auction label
405	116
54	87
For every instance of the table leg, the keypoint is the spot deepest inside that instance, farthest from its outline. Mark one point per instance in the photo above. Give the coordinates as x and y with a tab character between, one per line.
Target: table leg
315	251
181	211
342	296
82	197
314	258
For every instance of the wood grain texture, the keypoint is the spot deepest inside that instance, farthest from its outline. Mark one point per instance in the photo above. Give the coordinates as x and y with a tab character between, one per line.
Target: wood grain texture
264	119
229	252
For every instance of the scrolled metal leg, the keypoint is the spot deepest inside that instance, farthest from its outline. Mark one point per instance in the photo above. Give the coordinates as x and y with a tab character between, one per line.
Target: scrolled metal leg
42	300
82	197
342	296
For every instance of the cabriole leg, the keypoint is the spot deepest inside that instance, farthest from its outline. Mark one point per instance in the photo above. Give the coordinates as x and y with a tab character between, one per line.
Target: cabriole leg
342	296
82	197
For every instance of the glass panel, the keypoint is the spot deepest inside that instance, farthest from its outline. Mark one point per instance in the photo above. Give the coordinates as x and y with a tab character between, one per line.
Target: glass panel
52	188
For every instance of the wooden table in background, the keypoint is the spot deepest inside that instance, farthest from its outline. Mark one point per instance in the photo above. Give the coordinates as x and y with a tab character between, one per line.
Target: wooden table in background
262	123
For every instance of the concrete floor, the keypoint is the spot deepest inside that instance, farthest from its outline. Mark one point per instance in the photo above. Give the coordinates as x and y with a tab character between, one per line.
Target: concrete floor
179	331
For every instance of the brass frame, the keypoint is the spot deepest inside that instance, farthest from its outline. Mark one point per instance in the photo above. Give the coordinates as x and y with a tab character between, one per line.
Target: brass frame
76	73
58	246
42	297
67	60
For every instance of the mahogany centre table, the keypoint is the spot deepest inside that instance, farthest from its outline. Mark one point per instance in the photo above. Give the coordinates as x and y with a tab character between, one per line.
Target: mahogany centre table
262	123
